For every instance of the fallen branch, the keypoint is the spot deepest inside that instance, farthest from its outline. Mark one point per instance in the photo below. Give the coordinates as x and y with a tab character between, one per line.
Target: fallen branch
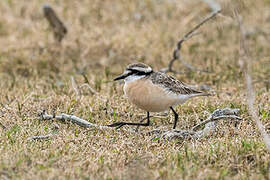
209	123
176	52
169	135
244	58
58	27
40	137
71	118
219	114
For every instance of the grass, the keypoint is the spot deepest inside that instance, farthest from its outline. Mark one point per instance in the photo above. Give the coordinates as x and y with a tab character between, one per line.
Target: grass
103	37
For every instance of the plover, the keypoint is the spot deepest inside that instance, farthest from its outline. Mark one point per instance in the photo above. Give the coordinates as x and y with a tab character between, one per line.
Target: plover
154	91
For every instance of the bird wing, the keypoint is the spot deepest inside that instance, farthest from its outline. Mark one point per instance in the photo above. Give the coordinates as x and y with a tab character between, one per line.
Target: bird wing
172	84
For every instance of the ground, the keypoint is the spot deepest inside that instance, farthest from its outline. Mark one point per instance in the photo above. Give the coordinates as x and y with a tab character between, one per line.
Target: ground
103	37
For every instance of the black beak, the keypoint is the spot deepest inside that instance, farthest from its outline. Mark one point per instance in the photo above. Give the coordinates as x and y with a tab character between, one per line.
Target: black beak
122	76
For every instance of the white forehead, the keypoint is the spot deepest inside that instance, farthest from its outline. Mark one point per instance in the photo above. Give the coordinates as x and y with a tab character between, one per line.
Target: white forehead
142	69
139	67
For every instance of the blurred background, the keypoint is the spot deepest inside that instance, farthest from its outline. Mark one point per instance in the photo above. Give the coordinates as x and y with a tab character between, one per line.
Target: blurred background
113	34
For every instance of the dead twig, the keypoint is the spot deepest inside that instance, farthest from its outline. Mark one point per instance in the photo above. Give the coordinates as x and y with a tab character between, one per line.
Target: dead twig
40	137
89	87
75	87
59	29
219	114
209	126
176	52
71	118
78	90
87	84
85	78
169	135
245	59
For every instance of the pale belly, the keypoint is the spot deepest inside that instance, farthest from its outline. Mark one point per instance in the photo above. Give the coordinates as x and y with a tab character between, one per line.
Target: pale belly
149	97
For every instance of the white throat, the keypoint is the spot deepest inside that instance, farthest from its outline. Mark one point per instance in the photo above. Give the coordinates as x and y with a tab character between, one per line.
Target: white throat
132	78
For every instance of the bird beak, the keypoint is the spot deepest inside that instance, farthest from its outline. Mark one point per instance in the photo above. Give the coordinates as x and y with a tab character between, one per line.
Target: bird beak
122	76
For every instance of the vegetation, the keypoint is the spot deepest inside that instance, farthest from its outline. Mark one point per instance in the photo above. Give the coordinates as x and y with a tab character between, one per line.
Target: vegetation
103	37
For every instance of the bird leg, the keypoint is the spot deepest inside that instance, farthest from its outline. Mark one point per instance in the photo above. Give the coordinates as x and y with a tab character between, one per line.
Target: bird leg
120	124
137	129
175	117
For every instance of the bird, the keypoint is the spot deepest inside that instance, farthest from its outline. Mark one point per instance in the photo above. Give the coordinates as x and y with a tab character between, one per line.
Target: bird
153	91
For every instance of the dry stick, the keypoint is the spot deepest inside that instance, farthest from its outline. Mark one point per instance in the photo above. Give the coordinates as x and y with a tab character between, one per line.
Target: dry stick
176	52
218	114
77	89
58	27
87	84
85	78
40	137
210	126
89	87
250	93
71	118
212	119
74	86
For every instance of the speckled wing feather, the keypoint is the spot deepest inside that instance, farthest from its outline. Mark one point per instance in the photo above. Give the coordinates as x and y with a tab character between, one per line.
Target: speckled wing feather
172	84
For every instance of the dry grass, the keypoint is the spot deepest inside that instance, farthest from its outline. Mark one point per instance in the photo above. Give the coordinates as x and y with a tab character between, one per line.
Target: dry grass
103	37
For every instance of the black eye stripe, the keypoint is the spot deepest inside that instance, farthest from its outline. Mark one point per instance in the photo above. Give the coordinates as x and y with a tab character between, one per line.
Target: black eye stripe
132	70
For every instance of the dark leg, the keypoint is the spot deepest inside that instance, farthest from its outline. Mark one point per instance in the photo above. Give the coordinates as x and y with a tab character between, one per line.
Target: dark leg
136	130
120	124
175	117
